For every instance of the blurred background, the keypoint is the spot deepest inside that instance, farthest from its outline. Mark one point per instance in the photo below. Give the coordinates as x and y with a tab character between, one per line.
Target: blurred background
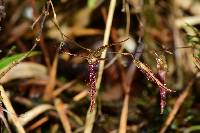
50	87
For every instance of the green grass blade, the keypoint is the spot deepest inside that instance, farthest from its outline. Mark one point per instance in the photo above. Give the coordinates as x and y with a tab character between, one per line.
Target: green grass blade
6	61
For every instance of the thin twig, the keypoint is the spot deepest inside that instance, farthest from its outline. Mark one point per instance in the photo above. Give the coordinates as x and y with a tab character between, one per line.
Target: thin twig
63	36
126	6
37	39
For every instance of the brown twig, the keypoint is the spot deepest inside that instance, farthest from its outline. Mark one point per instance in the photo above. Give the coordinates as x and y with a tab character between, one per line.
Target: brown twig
126	84
11	111
38	123
64	87
124	115
91	115
80	95
3	118
62	114
48	94
34	112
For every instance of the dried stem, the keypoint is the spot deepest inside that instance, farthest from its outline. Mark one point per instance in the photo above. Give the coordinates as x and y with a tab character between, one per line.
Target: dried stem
124	115
59	90
11	111
48	94
80	95
64	119
38	123
126	82
4	120
91	115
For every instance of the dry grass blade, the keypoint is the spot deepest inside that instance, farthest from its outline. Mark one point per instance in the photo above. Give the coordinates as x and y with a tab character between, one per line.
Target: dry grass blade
34	112
177	106
127	80
48	94
124	115
91	115
10	109
2	117
181	22
25	70
54	128
62	114
80	95
38	123
124	112
126	84
64	87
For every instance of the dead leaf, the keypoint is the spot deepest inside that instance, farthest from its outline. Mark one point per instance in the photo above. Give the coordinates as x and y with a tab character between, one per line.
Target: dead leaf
25	70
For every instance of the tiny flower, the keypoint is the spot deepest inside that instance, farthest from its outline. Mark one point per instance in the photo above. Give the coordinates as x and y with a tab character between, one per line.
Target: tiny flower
92	83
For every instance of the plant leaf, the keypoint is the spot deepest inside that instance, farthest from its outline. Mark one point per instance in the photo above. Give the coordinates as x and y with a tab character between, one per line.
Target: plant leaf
6	61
